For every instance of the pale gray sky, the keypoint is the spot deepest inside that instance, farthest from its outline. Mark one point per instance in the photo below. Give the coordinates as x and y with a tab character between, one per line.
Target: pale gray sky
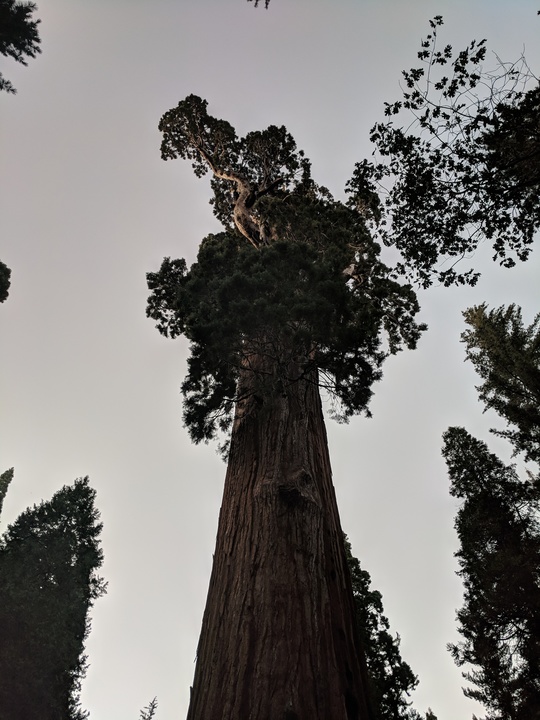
90	388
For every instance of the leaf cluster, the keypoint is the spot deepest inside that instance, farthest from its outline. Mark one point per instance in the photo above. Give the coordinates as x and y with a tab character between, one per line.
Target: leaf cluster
48	562
465	168
19	36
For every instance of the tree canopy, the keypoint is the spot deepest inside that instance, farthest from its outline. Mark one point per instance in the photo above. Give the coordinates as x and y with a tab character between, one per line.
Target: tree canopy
294	277
19	36
48	581
465	168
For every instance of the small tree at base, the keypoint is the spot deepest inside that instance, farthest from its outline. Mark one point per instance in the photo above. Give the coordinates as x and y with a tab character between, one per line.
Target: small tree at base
391	678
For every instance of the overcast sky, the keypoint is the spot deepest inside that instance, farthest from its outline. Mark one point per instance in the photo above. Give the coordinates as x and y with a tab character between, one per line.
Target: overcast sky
89	387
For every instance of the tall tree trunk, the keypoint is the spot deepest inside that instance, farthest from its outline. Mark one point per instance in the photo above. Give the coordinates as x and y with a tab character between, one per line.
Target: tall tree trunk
279	639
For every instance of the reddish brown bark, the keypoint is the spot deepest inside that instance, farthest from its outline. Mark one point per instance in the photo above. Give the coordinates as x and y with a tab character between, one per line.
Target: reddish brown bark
279	640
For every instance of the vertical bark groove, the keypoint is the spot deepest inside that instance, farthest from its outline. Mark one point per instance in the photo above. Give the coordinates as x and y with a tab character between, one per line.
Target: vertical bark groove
279	640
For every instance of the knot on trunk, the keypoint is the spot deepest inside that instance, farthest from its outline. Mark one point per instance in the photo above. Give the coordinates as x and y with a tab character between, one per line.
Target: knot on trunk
296	489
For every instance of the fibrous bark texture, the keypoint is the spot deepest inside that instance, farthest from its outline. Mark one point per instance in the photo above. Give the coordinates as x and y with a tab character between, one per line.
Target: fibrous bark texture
279	639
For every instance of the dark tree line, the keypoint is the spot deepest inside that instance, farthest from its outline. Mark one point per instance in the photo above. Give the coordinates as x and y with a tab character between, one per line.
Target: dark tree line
498	522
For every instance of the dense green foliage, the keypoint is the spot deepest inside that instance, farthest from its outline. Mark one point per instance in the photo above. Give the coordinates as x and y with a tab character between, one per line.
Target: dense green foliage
391	678
48	562
466	168
506	355
18	34
294	288
499	558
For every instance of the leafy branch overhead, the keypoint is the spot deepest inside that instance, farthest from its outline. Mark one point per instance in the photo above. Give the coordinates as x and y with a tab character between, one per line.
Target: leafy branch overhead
19	36
465	167
294	280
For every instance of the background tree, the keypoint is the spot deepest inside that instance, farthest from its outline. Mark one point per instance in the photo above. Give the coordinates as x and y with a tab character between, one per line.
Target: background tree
391	678
19	36
466	168
499	557
506	355
498	521
292	296
48	582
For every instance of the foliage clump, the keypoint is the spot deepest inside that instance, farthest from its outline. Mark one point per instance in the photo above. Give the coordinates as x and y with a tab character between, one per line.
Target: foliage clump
293	289
465	168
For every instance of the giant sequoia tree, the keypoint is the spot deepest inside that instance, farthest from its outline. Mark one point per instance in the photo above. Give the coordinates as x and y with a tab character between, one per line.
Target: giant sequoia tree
291	297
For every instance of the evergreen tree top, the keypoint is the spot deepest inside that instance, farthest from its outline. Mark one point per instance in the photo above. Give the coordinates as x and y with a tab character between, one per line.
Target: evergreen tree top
295	278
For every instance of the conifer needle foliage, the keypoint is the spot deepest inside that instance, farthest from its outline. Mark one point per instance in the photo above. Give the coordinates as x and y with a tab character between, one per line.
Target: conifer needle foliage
294	280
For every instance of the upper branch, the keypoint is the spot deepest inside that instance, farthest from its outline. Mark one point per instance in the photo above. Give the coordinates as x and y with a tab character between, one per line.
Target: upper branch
244	169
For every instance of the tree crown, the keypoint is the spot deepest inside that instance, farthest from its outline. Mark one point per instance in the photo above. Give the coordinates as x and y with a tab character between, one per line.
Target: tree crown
294	280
